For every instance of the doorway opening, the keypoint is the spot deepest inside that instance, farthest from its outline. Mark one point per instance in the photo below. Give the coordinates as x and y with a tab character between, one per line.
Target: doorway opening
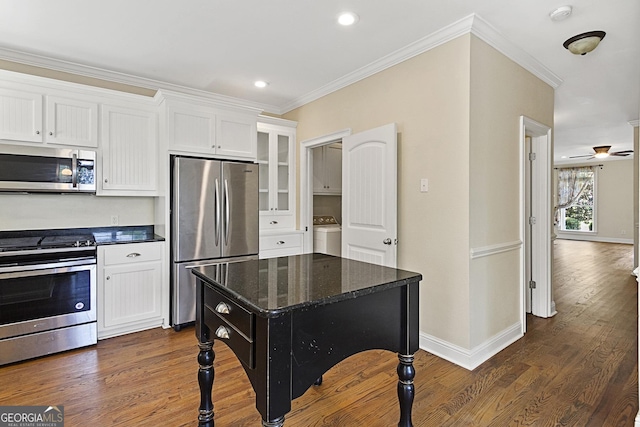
307	181
535	231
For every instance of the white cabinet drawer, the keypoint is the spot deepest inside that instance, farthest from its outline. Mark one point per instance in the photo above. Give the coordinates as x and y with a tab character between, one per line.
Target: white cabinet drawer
276	222
281	241
281	244
132	252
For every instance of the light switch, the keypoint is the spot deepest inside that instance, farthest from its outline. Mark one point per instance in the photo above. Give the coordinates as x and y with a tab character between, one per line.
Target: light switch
424	185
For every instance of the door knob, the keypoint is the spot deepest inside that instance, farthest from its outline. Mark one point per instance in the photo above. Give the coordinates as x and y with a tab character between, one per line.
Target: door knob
387	241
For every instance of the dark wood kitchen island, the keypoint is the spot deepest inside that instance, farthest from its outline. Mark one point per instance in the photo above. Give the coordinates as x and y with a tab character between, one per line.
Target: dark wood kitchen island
290	319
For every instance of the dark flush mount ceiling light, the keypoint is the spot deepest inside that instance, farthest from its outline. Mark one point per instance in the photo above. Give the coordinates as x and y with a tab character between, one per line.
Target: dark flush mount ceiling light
584	43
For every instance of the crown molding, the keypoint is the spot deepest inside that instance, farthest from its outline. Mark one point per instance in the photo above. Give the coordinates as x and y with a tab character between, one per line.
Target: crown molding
473	24
122	78
425	44
634	123
490	35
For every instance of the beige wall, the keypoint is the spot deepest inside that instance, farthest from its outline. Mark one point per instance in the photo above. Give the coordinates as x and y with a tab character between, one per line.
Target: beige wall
457	108
615	200
427	96
501	91
41	211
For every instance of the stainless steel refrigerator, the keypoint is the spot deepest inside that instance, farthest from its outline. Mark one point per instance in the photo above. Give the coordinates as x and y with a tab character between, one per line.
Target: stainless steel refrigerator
214	218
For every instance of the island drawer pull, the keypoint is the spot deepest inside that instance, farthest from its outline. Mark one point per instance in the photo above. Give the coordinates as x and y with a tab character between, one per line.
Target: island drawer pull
273	222
133	255
281	242
222	332
223	308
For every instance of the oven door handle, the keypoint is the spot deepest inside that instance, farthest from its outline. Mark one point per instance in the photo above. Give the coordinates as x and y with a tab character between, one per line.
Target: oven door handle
44	269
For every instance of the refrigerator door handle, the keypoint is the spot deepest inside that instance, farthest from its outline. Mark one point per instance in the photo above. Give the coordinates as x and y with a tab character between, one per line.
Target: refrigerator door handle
218	216
226	212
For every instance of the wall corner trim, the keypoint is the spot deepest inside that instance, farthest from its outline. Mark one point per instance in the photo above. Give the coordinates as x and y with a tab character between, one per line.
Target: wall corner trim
471	359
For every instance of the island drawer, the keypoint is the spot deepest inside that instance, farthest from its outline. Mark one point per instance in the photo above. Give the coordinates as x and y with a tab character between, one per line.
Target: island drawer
240	318
224	331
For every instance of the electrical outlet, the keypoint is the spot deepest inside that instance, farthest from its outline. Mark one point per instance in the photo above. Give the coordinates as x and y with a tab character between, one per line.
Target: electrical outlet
114	219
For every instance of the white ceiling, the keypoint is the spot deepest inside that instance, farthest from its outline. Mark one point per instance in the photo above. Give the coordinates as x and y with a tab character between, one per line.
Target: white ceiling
223	46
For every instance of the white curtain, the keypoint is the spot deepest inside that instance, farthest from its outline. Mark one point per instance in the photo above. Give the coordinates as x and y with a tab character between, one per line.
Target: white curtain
571	183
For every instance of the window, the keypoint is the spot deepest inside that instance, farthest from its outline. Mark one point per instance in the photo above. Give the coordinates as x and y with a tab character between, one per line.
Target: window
576	190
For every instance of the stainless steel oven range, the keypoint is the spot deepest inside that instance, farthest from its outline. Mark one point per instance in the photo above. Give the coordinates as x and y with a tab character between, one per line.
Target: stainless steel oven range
47	294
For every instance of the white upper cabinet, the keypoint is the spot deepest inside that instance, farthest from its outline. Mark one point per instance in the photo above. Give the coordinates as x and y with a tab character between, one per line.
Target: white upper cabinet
236	135
191	127
197	127
69	121
327	169
276	160
129	151
20	116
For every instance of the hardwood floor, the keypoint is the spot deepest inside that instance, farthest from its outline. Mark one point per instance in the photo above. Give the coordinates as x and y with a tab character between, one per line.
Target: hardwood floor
576	369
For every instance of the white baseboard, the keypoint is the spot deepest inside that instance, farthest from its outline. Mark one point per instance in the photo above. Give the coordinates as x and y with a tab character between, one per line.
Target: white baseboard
593	238
471	359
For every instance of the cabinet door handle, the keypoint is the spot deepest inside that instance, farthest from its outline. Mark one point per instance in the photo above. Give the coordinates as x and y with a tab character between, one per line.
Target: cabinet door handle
50	133
37	132
273	222
222	308
108	277
222	332
280	242
133	255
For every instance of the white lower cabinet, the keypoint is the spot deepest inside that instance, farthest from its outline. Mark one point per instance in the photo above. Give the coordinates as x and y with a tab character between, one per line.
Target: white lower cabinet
129	288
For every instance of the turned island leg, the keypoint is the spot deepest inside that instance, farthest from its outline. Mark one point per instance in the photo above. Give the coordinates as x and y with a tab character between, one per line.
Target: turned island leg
406	389
205	381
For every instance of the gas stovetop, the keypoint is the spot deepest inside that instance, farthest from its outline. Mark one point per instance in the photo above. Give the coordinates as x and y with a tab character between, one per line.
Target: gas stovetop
10	244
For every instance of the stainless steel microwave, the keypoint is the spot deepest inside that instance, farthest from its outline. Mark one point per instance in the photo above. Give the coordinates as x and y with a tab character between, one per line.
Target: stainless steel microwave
43	169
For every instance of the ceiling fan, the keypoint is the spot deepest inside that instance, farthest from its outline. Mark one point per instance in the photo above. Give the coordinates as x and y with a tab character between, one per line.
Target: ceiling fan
602	152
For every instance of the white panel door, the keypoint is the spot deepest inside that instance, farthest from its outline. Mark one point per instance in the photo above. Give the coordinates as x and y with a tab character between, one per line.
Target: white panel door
369	196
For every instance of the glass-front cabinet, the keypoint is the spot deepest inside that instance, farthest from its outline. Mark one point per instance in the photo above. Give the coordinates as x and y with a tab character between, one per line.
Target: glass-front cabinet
276	159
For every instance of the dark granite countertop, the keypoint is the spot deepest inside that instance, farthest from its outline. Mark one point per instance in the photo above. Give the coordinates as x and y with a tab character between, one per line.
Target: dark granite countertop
277	285
130	234
102	235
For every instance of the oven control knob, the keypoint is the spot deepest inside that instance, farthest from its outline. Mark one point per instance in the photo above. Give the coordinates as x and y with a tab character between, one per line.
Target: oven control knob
79	305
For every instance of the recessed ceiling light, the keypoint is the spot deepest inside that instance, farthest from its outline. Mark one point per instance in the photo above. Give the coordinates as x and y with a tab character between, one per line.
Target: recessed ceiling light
347	18
260	83
561	13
